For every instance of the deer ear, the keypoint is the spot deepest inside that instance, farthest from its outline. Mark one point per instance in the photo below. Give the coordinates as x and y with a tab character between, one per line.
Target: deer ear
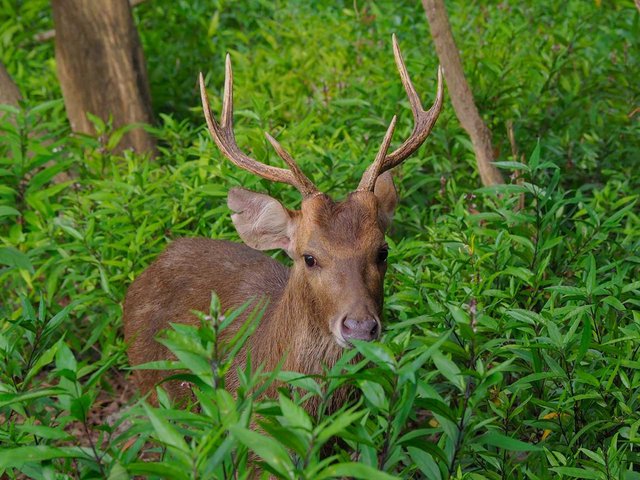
385	192
262	222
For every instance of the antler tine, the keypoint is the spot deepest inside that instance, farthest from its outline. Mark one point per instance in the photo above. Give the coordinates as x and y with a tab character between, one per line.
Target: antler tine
423	120
368	181
305	185
226	119
225	140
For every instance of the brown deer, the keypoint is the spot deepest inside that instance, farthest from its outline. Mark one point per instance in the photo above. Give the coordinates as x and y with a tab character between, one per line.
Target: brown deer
332	294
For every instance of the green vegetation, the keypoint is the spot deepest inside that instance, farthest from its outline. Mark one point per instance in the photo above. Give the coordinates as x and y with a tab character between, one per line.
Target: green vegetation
512	342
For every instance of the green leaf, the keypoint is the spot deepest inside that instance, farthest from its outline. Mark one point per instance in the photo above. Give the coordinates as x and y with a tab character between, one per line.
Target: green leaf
298	380
58	319
15	258
374	393
512	166
410	366
48	433
631	286
16	457
437	406
578	472
118	472
65	360
355	470
568	290
522	273
80	407
585	338
8	211
590	281
104	280
222	453
268	449
449	370
227	406
333	426
534	159
376	353
166	433
525	316
44	359
294	415
60	222
11	398
503	188
161	469
614	302
496	439
425	463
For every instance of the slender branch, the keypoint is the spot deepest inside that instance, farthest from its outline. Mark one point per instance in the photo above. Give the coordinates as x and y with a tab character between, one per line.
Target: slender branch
461	96
96	456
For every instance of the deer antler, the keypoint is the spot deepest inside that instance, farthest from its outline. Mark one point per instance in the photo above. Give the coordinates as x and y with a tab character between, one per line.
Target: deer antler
368	181
423	123
225	139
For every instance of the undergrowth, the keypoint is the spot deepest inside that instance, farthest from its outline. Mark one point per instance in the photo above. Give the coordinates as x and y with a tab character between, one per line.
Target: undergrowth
512	334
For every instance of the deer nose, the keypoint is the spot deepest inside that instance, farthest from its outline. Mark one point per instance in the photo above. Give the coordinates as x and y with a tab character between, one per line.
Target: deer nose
366	329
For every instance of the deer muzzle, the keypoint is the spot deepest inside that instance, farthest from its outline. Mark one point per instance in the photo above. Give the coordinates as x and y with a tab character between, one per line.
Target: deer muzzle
360	329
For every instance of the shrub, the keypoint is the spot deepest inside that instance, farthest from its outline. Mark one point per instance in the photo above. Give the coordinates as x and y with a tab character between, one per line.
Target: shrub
512	313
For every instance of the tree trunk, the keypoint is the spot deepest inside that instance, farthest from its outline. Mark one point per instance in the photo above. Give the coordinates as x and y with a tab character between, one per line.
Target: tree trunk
9	92
459	91
101	67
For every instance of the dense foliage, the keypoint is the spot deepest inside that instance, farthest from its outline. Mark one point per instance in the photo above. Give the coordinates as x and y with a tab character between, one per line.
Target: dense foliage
512	342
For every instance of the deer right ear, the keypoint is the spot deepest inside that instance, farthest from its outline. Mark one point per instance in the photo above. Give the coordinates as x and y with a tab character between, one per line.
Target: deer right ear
261	221
387	195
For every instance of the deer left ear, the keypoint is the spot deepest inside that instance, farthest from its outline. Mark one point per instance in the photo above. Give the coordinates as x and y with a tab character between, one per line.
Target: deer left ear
387	195
262	222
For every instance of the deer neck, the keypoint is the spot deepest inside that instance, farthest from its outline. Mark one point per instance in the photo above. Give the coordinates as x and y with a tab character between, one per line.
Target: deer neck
302	334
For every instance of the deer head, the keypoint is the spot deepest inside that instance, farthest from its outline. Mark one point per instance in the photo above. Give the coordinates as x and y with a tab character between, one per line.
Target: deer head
338	248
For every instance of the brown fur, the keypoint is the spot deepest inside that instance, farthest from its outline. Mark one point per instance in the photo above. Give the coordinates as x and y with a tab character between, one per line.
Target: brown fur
305	303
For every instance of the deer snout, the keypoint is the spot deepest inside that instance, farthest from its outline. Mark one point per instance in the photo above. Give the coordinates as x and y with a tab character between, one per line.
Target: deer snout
360	329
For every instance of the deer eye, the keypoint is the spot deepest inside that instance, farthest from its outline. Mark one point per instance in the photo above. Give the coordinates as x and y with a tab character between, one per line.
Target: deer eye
310	260
383	253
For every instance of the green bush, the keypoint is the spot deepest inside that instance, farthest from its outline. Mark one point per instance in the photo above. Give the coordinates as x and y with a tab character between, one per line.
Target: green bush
512	340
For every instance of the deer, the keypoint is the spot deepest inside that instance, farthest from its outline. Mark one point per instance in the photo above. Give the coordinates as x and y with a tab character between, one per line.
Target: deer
332	294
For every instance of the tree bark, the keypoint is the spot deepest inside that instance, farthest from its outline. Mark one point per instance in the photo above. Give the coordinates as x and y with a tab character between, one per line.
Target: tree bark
101	67
9	92
51	34
459	91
